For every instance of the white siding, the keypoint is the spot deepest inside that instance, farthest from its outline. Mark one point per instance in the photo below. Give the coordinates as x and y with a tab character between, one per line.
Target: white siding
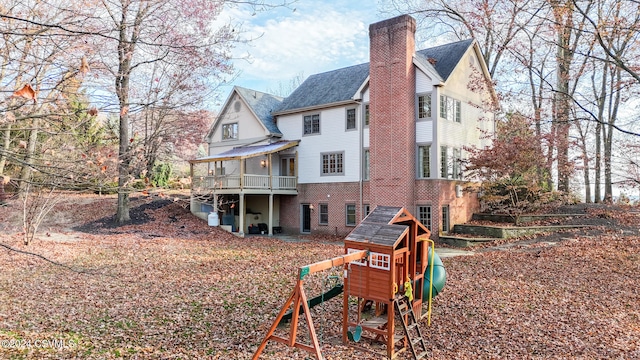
249	128
473	117
424	131
423	82
332	138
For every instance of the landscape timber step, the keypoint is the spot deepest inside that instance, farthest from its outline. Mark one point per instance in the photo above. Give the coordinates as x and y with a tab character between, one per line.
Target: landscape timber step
521	219
464	241
506	232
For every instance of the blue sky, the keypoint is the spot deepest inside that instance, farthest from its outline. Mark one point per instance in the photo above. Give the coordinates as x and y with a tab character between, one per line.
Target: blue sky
318	36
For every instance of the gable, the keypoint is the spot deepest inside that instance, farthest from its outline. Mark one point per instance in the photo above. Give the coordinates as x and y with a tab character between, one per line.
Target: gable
445	58
251	111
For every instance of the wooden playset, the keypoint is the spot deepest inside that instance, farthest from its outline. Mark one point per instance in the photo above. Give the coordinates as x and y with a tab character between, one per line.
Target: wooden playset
387	270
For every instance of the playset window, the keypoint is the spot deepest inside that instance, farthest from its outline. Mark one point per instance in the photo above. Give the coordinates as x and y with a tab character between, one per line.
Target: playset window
361	262
380	261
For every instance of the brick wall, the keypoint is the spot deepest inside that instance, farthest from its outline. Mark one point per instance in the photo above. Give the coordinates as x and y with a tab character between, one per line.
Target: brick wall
438	193
335	195
392	104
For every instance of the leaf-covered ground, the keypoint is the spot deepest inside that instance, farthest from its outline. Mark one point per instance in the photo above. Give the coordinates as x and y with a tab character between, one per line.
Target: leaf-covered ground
170	287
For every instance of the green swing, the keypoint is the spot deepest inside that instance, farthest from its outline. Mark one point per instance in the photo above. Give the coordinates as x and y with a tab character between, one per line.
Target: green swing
355	333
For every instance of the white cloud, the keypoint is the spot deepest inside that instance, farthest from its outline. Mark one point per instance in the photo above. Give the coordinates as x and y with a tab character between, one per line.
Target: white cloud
321	37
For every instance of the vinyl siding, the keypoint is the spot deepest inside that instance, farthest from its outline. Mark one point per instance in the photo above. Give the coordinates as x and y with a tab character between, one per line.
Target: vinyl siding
332	138
423	82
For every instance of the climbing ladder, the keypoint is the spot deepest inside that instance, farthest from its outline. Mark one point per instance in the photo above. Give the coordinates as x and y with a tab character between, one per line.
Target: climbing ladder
411	326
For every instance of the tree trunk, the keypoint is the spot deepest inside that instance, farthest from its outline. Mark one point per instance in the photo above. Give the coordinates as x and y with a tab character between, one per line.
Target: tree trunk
601	100
597	197
126	48
122	215
25	173
6	142
563	16
608	140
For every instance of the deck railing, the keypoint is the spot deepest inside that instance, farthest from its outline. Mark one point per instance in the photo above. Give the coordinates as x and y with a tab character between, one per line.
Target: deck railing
264	182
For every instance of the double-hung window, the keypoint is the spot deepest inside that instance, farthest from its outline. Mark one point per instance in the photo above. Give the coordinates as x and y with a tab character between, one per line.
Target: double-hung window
457	174
350	212
445	219
424	106
332	163
351	119
450	160
323	214
444	162
311	124
450	109
365	165
230	131
424	164
366	115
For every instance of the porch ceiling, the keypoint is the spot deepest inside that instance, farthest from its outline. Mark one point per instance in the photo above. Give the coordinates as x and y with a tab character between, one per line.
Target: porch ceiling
245	152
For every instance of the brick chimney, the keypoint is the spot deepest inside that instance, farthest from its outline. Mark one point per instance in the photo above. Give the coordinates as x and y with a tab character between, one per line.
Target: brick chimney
392	112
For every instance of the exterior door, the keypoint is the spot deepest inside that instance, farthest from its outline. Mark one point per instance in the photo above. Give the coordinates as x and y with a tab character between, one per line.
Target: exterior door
287	167
305	219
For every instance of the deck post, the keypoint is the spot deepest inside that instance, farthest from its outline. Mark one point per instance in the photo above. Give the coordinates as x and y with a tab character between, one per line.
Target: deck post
241	217
270	214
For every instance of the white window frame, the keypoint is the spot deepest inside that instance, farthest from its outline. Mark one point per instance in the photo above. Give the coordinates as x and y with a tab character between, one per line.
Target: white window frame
312	119
230	131
361	262
380	261
338	160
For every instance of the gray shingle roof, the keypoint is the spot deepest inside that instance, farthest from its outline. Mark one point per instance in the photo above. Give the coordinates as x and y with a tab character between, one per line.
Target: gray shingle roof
446	56
242	152
342	84
262	105
327	88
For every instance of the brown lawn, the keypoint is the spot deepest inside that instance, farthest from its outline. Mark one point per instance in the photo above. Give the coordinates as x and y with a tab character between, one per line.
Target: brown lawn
170	287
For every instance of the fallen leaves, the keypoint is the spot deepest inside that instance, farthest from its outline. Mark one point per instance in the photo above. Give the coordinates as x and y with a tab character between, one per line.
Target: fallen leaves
169	286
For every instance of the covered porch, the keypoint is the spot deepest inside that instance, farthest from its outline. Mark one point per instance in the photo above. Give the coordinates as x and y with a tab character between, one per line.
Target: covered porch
246	183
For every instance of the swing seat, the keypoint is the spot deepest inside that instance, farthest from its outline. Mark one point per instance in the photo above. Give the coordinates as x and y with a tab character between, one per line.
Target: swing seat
355	334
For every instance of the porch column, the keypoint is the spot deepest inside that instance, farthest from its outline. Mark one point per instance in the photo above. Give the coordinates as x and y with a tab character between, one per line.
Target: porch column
270	214
241	217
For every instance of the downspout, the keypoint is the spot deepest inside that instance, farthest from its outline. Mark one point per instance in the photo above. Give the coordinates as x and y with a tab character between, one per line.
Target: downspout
360	160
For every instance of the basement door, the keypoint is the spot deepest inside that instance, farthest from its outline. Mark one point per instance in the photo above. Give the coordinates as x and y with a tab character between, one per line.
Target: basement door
305	219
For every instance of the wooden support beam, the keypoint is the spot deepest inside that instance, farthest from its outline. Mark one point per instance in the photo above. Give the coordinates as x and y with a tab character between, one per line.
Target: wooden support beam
299	299
328	264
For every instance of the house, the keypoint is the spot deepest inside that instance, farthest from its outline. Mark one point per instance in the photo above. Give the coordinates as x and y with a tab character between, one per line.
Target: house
389	132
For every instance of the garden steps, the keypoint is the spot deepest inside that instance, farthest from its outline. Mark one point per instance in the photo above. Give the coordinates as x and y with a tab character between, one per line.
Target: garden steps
467	235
